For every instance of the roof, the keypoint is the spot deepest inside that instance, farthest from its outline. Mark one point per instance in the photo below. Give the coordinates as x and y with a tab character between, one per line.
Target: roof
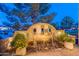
36	24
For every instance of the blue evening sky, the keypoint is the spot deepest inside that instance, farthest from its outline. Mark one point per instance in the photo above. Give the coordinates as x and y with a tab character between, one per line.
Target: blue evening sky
62	10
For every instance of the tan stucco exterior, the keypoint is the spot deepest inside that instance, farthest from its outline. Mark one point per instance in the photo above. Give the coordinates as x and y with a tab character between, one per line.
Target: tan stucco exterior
39	32
42	32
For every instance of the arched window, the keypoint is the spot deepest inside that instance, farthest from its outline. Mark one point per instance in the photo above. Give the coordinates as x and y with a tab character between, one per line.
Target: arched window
49	30
34	30
42	30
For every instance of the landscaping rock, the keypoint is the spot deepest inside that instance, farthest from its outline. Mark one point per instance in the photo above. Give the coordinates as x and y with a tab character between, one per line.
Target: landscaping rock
68	45
21	51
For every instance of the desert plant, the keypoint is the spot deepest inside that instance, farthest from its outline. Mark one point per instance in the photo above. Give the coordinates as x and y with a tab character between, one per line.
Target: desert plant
19	41
68	39
64	37
20	44
61	36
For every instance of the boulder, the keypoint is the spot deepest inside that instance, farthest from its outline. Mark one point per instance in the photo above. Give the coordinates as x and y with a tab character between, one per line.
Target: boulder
68	45
21	51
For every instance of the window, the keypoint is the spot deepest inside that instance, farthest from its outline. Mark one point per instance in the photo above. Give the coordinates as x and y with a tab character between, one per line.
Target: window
34	30
49	30
42	30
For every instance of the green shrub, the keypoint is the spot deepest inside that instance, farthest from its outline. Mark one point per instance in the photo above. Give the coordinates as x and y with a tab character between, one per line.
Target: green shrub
64	37
68	39
19	41
61	37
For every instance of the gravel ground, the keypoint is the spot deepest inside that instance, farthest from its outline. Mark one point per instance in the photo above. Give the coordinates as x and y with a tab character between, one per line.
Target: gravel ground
57	52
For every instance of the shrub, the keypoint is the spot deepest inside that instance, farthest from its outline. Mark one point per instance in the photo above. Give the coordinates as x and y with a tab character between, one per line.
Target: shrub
19	41
61	36
68	39
64	37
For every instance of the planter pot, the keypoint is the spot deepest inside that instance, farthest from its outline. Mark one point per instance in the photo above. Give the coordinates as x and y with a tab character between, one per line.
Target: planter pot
21	51
68	45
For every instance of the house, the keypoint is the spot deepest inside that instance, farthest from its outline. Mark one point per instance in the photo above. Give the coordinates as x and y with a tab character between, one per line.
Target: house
39	32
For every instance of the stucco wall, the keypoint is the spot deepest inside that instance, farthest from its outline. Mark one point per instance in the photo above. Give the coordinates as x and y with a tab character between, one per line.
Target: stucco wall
38	35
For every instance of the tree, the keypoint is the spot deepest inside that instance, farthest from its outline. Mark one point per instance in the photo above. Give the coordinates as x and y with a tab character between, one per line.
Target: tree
67	22
59	38
56	25
41	9
47	18
44	7
20	44
21	12
16	26
75	25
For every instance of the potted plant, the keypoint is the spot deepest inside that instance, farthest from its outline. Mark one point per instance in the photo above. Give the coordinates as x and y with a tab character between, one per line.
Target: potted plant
69	42
19	43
